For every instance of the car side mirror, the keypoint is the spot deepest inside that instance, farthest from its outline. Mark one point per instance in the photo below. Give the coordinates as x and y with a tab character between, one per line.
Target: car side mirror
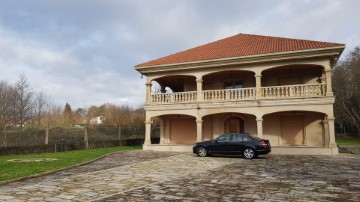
215	140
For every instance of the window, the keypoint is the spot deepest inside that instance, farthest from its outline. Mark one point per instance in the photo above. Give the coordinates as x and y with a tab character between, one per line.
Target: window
236	137
239	138
224	138
233	85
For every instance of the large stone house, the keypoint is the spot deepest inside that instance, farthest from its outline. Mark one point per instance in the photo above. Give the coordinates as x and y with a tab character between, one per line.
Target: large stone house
270	87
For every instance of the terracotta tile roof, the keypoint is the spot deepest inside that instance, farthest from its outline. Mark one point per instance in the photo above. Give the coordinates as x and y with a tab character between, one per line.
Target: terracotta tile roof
237	46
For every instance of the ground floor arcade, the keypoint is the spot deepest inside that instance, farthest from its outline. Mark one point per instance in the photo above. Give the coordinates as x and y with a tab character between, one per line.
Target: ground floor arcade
291	130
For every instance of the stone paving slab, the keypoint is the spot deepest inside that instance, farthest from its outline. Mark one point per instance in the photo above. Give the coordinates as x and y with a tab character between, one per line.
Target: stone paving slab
162	176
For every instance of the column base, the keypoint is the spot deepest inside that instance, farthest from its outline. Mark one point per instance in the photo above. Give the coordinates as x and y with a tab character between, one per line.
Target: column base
147	143
330	94
332	145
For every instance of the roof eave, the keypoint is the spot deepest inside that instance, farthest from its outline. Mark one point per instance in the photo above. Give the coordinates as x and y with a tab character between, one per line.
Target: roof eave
328	51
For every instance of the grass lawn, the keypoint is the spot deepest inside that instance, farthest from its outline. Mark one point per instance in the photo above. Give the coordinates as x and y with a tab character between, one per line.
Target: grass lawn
348	142
13	170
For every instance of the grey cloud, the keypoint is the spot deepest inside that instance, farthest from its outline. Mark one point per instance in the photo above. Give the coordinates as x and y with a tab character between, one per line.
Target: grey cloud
83	51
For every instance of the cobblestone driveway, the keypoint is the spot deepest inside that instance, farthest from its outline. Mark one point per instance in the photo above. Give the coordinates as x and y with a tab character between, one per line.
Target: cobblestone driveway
152	176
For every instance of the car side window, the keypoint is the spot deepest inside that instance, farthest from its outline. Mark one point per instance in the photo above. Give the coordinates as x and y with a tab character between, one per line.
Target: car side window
223	138
245	138
236	137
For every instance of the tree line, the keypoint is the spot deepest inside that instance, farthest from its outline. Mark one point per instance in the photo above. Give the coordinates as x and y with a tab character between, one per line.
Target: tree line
346	87
19	103
20	106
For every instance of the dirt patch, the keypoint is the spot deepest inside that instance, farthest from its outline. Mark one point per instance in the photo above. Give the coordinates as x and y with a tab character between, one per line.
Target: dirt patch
26	160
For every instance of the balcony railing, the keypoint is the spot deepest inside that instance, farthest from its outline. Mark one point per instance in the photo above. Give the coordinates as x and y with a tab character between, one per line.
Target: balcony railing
163	98
230	94
271	92
305	90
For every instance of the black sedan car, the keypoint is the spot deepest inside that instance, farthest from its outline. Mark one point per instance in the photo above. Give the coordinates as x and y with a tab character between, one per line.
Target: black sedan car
233	144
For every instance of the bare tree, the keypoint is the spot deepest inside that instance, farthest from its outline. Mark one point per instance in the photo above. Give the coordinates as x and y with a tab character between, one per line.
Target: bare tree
138	119
118	116
23	102
346	79
6	100
40	106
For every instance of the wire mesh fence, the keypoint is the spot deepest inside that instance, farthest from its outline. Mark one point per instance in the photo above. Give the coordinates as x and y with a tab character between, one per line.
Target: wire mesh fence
36	140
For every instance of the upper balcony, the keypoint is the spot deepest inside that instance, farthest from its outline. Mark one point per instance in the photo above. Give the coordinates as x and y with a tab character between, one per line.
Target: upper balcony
225	95
286	82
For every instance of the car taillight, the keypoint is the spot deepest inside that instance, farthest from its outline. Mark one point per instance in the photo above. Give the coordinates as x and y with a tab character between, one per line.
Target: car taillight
263	144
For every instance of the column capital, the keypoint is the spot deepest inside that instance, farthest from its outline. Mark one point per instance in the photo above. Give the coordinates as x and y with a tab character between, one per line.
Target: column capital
259	120
148	84
330	118
199	80
199	121
258	75
148	122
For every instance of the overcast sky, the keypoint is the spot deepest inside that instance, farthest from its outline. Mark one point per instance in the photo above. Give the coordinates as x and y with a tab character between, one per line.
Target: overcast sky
84	51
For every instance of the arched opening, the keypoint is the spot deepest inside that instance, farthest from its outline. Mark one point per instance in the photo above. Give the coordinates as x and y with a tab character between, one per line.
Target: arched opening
177	129
295	128
217	124
176	83
229	80
293	81
292	75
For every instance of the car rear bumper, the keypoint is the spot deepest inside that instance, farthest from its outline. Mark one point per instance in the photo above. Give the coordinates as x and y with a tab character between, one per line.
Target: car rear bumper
263	151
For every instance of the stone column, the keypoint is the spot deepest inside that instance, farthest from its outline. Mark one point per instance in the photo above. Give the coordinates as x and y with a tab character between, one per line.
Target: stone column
167	131
328	82
162	136
199	136
147	132
331	124
259	123
148	93
258	85
326	133
199	96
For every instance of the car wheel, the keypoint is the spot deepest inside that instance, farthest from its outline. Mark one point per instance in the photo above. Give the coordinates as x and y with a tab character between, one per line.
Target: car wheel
249	153
202	152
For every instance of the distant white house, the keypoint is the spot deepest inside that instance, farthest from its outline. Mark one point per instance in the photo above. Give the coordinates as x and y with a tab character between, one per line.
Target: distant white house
97	120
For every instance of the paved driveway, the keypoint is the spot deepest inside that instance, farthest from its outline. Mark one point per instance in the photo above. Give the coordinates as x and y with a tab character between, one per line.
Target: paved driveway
151	176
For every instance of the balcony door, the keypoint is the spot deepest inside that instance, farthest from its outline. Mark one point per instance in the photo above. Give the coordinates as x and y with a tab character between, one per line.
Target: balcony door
234	125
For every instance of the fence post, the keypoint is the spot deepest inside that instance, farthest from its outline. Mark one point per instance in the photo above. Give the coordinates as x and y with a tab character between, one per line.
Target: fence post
86	138
4	136
119	135
47	135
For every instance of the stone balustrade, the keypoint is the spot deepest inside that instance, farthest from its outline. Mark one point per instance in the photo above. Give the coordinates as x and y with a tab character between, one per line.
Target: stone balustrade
230	94
305	90
164	98
288	91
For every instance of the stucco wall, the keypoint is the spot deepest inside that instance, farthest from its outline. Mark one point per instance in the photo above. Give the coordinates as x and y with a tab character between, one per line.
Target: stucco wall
182	130
313	128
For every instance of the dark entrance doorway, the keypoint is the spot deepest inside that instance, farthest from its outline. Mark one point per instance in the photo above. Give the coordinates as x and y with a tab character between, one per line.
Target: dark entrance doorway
234	125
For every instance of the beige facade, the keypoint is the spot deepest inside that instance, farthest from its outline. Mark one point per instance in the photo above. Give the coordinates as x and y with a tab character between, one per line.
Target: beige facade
283	97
